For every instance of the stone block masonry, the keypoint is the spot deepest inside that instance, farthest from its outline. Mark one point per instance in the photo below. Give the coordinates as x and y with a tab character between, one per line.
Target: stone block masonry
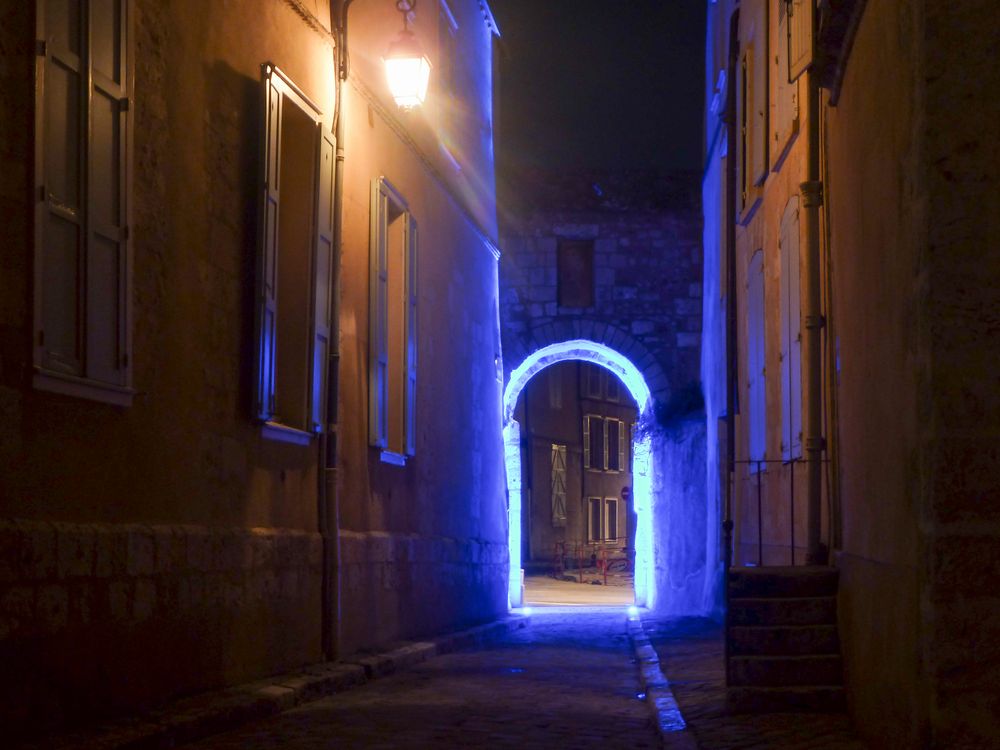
125	600
647	256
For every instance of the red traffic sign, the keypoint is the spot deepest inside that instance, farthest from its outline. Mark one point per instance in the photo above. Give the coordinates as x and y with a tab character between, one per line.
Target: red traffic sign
626	492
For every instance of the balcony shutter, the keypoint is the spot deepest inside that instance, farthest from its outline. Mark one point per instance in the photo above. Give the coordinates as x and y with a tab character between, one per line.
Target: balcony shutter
322	272
410	307
378	344
801	39
267	258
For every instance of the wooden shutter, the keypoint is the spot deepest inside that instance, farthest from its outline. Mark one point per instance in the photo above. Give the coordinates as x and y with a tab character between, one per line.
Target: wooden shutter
759	98
410	310
60	166
267	245
757	418
378	311
791	353
558	485
322	280
107	266
785	123
801	37
82	121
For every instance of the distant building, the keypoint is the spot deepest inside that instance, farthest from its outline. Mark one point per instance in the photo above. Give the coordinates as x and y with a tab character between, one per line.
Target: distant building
249	392
851	334
577	422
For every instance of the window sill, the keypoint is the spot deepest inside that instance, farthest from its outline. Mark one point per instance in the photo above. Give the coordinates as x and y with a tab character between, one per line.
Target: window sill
392	458
284	434
92	390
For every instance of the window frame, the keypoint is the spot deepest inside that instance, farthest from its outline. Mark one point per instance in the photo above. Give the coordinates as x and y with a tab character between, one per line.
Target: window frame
383	192
81	377
278	91
610	502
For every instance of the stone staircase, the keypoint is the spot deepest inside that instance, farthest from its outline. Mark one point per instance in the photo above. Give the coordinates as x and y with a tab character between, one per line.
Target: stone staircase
784	651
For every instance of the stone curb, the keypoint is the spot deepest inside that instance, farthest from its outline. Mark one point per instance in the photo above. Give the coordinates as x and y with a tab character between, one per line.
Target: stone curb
674	733
203	715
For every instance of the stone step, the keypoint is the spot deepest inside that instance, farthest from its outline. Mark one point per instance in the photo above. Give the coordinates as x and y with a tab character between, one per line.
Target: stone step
783	640
783	582
813	610
786	671
812	699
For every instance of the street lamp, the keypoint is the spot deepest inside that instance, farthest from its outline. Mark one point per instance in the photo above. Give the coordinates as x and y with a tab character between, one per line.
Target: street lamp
407	68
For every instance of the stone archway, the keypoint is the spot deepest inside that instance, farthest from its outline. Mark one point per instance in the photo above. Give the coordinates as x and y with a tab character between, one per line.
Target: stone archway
642	465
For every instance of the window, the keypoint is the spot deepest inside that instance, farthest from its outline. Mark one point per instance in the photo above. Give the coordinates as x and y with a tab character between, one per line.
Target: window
575	273
558	485
602	519
82	253
615	431
756	393
593	442
603	443
593	377
594	518
294	263
611	518
801	43
791	339
392	324
554	378
614	387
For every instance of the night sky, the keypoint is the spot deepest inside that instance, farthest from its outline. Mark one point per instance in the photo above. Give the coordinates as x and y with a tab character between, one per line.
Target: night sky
601	84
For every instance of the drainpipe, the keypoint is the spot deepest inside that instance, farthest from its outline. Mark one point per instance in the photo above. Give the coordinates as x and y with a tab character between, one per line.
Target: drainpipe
329	495
812	427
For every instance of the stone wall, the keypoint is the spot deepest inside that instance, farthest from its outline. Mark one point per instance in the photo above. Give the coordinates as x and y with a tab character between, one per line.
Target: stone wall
127	603
647	269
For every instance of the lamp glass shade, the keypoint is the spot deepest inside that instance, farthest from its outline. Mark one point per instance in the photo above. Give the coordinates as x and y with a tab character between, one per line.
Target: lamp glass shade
408	71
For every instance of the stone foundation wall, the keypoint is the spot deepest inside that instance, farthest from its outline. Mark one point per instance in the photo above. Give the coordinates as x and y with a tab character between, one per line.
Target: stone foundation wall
397	586
99	619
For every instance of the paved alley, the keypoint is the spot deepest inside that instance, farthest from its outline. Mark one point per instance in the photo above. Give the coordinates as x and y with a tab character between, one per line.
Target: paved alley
566	681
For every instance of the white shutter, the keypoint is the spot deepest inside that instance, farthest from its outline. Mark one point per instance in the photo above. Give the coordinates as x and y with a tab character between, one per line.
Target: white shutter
322	280
785	124
378	332
586	442
756	411
410	310
267	248
621	445
791	356
801	36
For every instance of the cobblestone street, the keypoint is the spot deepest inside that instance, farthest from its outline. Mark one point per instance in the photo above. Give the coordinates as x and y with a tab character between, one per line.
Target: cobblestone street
566	681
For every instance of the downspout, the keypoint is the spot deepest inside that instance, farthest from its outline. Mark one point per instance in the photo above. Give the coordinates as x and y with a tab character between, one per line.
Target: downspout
812	426
329	496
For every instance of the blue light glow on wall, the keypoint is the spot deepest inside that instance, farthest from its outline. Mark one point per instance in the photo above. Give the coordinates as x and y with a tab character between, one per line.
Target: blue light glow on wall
642	484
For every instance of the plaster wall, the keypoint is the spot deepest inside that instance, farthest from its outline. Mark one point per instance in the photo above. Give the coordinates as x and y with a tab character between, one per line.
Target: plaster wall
168	547
876	208
423	546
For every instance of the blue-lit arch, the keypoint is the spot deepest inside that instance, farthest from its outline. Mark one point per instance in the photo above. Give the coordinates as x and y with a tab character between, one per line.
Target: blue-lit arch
642	481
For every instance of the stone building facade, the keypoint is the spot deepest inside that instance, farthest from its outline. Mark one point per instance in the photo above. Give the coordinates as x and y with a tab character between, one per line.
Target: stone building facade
894	162
202	482
643	231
